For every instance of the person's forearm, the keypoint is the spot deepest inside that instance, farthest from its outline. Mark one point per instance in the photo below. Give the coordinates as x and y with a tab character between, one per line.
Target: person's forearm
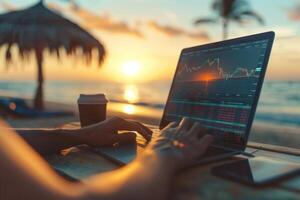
47	141
148	177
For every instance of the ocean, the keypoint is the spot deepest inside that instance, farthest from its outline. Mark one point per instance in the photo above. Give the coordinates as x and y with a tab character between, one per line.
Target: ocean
279	102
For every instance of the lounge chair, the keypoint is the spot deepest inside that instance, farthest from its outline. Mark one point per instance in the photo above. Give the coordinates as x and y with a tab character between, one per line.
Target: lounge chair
18	108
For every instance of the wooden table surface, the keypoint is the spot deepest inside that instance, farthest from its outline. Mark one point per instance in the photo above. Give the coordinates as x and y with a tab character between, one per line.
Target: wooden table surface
194	183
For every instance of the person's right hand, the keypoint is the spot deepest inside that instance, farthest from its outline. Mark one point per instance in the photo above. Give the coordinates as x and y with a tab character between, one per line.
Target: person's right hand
106	133
181	144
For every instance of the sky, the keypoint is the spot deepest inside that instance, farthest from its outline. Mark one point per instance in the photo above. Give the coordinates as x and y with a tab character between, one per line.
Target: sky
143	38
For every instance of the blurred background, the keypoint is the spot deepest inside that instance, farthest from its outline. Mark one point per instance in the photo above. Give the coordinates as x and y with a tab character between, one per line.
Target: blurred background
138	43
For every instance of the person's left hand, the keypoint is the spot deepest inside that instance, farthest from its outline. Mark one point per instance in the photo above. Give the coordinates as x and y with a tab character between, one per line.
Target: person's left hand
106	133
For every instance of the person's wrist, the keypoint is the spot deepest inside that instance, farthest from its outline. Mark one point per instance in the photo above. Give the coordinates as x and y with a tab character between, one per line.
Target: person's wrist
73	135
165	162
81	135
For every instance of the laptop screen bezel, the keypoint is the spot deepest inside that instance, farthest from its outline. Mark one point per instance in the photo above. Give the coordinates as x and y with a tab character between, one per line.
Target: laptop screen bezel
267	35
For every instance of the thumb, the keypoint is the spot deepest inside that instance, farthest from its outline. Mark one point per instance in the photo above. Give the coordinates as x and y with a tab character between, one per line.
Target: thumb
125	137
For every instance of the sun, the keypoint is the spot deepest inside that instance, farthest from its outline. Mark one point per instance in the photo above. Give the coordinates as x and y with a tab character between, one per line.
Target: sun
131	68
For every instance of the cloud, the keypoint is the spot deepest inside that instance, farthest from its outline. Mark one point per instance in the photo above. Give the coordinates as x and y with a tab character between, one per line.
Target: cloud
100	22
294	13
177	31
91	20
8	6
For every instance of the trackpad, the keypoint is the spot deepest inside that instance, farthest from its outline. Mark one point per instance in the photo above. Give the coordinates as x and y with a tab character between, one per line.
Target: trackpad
122	154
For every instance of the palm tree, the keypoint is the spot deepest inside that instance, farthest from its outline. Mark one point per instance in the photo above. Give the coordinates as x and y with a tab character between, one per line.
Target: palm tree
231	11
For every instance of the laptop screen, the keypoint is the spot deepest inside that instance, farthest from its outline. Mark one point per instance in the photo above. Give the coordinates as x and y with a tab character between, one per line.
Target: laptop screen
218	85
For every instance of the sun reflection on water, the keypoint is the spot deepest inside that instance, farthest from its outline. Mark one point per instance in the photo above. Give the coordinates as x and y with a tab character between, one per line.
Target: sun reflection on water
129	109
131	94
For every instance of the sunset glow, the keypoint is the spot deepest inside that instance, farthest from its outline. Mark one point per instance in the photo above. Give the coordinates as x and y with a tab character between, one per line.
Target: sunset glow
131	68
144	51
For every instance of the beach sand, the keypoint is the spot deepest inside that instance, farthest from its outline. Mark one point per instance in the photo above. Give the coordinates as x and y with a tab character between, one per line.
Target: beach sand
261	132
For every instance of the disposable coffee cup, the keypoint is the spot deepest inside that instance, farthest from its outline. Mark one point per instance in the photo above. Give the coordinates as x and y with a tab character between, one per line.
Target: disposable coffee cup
92	108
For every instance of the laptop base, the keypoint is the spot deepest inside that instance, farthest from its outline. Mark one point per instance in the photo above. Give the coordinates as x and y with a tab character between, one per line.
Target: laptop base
125	153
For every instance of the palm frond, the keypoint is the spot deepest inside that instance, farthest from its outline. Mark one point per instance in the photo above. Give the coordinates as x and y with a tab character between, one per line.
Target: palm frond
205	21
237	18
217	5
240	5
253	14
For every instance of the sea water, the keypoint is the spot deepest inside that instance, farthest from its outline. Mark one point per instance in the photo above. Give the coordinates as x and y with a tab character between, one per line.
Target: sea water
279	103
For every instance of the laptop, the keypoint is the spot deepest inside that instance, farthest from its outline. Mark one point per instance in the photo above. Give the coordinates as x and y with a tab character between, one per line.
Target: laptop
218	85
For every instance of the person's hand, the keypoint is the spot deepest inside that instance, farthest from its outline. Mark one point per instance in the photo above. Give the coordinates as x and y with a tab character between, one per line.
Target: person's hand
181	145
106	133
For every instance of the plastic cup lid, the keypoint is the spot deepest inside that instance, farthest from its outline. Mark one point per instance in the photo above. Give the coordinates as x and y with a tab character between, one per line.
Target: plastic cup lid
92	99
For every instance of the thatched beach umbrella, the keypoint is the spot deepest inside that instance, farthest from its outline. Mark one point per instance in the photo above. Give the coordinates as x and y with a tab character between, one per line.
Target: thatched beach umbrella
36	29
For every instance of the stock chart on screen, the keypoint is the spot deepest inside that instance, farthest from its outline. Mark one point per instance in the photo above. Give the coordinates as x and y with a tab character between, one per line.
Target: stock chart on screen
217	87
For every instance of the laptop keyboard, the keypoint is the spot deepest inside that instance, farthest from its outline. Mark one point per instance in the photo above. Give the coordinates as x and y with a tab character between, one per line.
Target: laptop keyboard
211	151
126	153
